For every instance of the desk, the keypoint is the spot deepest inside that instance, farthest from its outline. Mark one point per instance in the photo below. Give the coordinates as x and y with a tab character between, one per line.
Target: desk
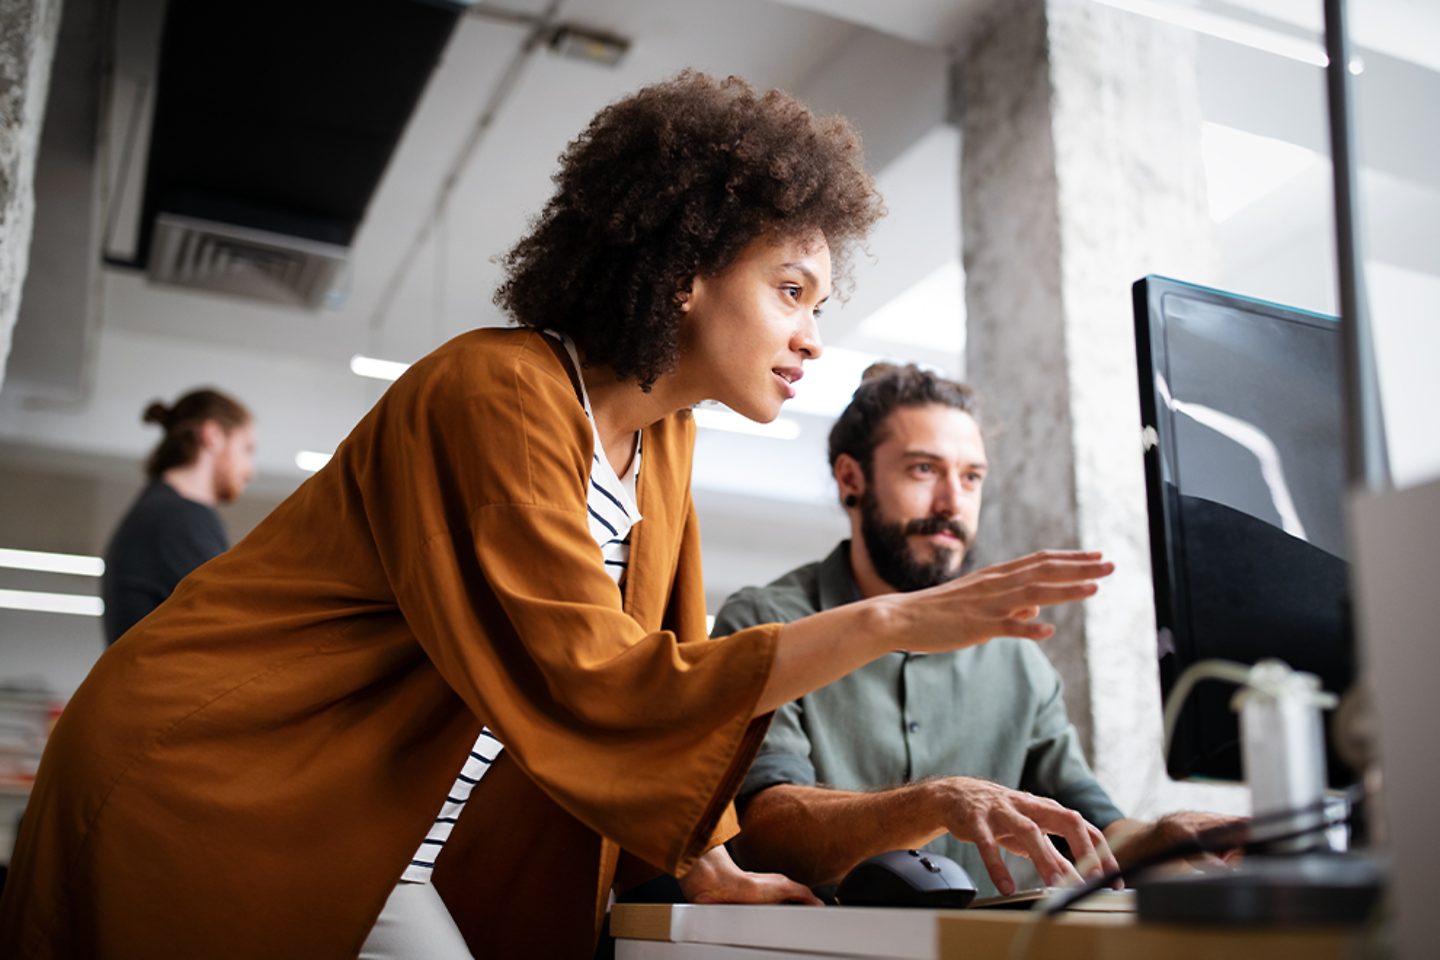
731	932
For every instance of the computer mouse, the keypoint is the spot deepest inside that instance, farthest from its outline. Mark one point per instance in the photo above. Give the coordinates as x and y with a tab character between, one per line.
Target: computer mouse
907	878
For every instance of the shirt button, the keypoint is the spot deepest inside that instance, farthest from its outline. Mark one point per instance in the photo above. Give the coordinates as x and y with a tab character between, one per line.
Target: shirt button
914	726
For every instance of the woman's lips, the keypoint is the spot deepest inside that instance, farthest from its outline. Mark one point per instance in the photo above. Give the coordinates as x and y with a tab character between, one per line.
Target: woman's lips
788	376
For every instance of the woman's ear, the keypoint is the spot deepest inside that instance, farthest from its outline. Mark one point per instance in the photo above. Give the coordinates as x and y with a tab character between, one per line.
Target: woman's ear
689	292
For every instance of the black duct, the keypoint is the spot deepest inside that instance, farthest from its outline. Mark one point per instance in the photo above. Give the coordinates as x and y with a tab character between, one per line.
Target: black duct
279	117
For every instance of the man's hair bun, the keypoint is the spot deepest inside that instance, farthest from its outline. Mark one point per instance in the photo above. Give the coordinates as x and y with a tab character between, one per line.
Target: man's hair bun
157	412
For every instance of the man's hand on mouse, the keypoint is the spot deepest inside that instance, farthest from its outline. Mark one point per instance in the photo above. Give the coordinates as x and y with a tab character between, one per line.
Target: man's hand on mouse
991	817
716	879
1136	840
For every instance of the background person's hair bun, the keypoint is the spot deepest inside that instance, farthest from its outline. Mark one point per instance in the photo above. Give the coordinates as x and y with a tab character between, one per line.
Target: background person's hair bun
183	422
157	412
880	368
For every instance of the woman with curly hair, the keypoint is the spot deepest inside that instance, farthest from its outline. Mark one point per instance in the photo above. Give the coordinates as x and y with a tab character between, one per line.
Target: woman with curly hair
457	687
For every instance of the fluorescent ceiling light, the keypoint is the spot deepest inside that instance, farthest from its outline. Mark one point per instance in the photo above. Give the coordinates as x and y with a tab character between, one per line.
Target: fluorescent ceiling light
1242	167
591	46
930	315
311	461
718	418
1236	31
830	382
1408	29
51	602
378	369
80	566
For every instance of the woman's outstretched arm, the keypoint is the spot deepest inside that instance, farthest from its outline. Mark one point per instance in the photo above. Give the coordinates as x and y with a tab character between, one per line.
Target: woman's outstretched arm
999	601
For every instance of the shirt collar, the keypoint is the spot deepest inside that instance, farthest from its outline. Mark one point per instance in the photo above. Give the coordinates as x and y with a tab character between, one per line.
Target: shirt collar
837	583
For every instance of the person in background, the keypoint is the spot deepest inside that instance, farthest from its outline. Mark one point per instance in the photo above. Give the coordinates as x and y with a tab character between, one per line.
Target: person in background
206	457
965	752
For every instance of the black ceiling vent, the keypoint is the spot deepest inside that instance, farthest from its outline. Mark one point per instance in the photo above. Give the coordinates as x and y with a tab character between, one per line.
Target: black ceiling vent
274	122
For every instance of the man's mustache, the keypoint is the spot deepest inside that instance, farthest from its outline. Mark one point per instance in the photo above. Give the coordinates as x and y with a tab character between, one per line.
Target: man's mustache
929	526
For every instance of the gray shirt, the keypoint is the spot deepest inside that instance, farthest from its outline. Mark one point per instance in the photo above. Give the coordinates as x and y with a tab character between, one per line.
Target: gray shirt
995	712
163	537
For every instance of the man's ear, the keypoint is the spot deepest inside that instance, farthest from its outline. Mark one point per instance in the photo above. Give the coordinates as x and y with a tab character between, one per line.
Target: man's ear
850	478
212	435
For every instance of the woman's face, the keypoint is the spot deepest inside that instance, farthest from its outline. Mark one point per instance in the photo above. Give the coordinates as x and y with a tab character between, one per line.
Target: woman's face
748	329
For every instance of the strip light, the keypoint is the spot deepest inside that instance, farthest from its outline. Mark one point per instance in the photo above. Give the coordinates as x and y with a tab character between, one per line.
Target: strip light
52	602
377	369
1245	34
80	566
712	419
310	460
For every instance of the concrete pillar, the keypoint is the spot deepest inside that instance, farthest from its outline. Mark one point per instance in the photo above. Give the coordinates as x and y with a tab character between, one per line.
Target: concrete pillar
53	343
28	30
1080	173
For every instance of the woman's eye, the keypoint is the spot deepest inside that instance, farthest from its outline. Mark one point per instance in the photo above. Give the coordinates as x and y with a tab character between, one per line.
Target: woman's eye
793	292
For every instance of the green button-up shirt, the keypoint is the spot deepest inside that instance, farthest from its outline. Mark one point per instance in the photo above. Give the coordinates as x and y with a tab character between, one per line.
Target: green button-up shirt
995	712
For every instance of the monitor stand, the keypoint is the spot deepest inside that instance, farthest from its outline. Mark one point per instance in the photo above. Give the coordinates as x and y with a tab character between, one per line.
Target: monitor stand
1308	888
1298	879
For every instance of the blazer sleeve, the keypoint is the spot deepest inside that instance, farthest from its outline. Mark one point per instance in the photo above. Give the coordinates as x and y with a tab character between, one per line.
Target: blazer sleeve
784	755
475	487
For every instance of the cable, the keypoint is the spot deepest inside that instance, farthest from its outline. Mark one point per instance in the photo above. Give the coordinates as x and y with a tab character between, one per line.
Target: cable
1213	669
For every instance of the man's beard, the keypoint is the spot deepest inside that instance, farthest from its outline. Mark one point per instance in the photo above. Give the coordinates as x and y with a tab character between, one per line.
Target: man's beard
227	488
889	548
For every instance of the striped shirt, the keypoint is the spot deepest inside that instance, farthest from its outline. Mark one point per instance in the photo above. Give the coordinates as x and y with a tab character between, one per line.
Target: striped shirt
610	502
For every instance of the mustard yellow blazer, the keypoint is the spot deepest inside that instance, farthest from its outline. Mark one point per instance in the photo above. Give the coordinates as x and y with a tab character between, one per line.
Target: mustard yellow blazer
247	772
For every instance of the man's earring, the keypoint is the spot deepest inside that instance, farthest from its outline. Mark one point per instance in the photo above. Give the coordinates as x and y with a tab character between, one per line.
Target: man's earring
850	500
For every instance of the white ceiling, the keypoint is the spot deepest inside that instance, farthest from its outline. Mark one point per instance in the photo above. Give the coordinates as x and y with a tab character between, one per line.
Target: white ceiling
882	62
765	505
291	365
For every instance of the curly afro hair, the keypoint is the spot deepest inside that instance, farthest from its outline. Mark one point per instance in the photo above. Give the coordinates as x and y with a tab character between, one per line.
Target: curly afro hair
671	183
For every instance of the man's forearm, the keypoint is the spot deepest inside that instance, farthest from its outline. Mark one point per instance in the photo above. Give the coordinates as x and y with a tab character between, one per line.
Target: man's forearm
816	835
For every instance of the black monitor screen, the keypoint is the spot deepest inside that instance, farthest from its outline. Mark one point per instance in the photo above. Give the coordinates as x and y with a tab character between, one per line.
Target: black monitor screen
1245	474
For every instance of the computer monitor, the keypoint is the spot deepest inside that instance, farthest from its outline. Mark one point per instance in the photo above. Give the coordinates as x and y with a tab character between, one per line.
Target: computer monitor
1245	476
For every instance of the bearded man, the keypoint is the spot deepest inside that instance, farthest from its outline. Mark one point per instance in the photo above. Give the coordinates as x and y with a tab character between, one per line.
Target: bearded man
964	753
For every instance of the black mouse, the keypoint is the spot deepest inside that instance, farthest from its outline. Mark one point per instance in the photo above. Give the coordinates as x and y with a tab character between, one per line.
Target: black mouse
907	878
